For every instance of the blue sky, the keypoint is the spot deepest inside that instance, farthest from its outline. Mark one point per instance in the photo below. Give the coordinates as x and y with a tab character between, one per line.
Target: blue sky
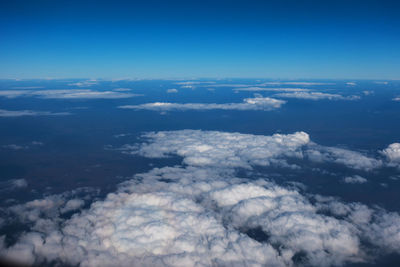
177	39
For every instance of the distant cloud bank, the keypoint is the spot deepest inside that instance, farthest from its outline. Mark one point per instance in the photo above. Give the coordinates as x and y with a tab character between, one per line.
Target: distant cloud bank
68	94
257	103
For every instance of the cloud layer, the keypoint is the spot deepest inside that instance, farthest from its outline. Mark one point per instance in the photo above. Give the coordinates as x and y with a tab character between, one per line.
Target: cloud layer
19	113
67	94
257	103
316	96
203	214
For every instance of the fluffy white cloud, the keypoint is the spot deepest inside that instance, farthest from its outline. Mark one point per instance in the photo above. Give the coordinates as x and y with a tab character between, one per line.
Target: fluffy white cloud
19	113
67	94
220	149
396	99
257	103
212	148
202	214
316	96
392	154
356	179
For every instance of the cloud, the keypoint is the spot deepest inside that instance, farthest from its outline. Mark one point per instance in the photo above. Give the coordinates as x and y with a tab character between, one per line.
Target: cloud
172	90
316	96
13	184
219	149
257	103
21	147
356	179
15	147
203	214
351	159
212	148
19	113
194	83
297	83
68	94
381	82
84	83
392	154
122	89
366	92
351	83
396	99
257	89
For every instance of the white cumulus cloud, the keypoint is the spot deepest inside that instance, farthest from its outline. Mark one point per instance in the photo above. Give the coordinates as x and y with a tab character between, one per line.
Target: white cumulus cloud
392	154
203	214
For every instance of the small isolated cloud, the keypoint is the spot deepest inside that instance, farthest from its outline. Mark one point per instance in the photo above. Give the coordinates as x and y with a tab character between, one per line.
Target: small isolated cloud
15	147
121	135
381	82
172	91
257	103
13	184
19	113
68	94
351	83
316	96
37	143
356	179
84	83
392	154
366	92
396	98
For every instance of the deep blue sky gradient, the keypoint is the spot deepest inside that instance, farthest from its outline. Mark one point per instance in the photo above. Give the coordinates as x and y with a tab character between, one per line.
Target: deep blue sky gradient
176	39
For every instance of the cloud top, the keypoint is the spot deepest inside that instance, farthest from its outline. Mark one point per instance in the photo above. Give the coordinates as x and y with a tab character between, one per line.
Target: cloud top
257	103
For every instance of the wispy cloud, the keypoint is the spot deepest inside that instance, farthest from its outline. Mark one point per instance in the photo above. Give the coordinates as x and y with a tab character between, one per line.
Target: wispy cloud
257	103
267	89
297	83
84	83
19	113
68	94
316	96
